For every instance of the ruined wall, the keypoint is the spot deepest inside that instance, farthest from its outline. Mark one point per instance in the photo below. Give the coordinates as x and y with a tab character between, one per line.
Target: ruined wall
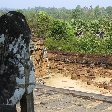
93	69
39	57
84	67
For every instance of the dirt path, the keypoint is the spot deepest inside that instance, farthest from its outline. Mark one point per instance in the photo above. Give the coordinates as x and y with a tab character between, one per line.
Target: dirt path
53	100
60	81
68	95
62	94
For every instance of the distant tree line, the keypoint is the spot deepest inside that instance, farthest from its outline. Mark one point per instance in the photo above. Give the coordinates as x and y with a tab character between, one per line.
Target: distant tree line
82	29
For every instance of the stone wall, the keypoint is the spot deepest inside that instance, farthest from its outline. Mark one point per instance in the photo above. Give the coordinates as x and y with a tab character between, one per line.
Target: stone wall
85	67
39	57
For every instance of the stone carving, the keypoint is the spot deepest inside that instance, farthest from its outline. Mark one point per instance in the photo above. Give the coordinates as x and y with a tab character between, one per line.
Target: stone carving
16	68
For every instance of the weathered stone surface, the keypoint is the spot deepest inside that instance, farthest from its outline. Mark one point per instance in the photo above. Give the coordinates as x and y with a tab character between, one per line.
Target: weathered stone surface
40	58
15	63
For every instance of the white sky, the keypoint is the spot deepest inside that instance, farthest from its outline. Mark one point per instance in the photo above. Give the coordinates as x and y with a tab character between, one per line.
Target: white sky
53	3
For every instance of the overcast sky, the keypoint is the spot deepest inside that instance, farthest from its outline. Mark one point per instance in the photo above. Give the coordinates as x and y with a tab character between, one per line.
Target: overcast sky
70	4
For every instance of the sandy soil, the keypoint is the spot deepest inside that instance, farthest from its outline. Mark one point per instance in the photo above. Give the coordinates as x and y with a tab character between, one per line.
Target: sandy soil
58	96
60	81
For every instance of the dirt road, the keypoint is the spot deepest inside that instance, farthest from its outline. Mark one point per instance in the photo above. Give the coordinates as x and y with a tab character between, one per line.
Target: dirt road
59	81
48	99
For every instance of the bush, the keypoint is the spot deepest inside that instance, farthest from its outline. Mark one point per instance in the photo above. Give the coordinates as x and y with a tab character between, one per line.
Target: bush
61	30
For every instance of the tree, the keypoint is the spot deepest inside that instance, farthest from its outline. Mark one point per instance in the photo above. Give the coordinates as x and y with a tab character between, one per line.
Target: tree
77	12
40	23
109	11
61	30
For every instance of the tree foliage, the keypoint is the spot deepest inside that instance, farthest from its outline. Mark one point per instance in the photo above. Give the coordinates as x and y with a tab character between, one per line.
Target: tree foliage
83	29
61	30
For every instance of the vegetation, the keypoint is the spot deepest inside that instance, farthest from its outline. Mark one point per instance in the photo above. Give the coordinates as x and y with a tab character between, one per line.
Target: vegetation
85	30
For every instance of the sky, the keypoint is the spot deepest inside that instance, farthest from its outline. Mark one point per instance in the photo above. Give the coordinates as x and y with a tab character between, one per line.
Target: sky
69	4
